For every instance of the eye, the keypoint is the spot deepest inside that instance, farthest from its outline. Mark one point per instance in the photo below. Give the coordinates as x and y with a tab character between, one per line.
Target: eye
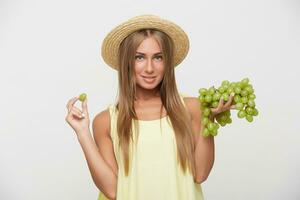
159	57
136	57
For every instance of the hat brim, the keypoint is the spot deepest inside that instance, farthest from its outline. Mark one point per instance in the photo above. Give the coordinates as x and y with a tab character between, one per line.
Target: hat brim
112	41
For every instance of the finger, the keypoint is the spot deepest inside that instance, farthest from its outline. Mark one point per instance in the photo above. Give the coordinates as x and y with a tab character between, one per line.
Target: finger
72	102
219	107
75	113
221	103
77	110
84	107
228	103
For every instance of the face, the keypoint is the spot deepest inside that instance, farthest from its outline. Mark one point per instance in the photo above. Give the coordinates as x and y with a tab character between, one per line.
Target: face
149	65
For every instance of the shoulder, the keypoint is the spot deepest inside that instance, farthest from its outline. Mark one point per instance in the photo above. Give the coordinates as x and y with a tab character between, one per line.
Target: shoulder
194	106
101	123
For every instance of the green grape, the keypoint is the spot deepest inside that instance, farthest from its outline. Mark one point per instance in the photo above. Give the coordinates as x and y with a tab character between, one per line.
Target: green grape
241	114
217	126
216	96
237	90
214	132
205	120
204	104
205	132
222	123
201	99
82	97
232	84
225	87
210	126
221	89
249	118
251	103
225	96
208	98
230	90
229	121
252	96
244	100
211	91
249	89
227	113
255	112
249	110
215	104
245	81
239	106
237	98
225	82
244	93
203	91
206	112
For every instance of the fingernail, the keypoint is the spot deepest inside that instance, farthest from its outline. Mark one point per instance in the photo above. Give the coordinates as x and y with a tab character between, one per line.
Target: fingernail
232	94
83	115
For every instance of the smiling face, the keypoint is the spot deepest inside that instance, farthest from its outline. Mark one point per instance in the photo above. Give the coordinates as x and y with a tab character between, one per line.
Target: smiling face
149	64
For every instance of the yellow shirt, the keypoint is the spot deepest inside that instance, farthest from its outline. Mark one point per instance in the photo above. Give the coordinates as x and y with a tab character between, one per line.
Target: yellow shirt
155	173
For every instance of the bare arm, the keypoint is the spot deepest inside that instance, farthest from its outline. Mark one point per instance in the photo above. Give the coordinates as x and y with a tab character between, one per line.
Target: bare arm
102	174
204	150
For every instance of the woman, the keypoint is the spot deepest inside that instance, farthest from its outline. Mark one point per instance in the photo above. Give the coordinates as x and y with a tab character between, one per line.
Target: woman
149	144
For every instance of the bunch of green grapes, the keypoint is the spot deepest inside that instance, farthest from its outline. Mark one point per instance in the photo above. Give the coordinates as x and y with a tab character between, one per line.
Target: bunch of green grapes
243	100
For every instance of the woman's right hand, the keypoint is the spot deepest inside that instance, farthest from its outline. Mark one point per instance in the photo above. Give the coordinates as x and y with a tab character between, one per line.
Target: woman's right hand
74	118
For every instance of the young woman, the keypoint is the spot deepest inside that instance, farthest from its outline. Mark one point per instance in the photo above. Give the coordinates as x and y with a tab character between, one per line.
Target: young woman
148	145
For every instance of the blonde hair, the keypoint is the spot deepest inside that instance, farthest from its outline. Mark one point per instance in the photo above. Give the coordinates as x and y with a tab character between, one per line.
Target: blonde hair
170	98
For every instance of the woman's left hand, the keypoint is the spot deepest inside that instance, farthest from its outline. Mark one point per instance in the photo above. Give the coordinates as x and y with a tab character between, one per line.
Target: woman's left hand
223	107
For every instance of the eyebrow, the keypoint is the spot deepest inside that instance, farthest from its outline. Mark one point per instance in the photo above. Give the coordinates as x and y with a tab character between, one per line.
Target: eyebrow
144	54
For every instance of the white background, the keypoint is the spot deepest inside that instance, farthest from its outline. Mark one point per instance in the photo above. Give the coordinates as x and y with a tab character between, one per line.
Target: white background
50	52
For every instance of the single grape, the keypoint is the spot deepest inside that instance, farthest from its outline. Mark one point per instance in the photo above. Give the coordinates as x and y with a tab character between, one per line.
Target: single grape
255	112
249	89
82	97
208	98
239	106
245	81
225	96
221	89
244	93
205	120
205	132
211	91
244	100
225	82
217	96
203	91
237	90
214	132
249	118
249	110
251	103
252	96
206	112
215	104
210	126
241	114
201	99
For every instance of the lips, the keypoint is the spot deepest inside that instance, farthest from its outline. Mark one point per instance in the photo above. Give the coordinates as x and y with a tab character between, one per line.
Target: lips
148	76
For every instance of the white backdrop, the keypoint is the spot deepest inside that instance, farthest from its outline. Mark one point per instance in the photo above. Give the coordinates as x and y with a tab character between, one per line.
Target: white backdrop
50	52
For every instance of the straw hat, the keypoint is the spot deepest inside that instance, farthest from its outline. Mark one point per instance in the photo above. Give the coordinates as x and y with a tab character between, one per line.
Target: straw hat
110	45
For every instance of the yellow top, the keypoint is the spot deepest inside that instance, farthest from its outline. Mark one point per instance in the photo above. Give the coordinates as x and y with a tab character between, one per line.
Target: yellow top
154	173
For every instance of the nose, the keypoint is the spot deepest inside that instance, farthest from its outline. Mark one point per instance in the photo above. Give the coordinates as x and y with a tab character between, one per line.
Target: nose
149	67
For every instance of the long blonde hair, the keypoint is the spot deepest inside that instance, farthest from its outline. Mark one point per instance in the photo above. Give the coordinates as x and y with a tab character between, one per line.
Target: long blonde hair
170	98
